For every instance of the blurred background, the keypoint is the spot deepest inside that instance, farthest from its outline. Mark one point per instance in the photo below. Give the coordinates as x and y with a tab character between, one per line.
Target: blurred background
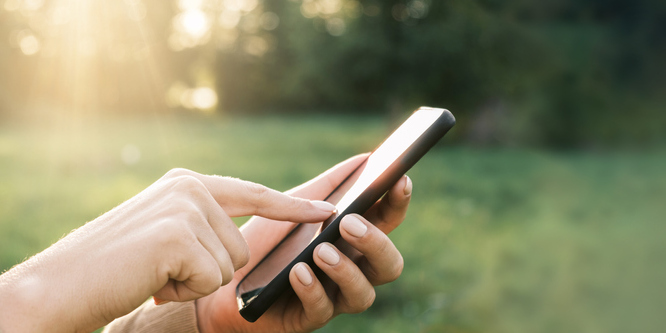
539	212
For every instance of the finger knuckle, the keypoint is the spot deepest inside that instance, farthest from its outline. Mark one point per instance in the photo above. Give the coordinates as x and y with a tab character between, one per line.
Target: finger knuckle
355	278
258	194
226	275
357	304
324	313
321	301
188	184
256	190
398	266
190	213
185	210
384	245
214	279
369	300
300	204
391	272
173	231
184	189
325	318
242	255
177	172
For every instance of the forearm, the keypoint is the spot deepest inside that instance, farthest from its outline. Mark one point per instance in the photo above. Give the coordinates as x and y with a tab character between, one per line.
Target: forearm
20	292
30	303
44	294
72	286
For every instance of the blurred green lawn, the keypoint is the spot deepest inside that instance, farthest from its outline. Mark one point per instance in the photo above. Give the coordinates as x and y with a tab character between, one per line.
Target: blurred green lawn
495	240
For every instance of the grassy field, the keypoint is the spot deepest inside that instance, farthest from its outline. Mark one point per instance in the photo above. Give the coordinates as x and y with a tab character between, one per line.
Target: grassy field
495	240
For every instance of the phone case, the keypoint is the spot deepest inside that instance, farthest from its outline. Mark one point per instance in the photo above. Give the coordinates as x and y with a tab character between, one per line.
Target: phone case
253	305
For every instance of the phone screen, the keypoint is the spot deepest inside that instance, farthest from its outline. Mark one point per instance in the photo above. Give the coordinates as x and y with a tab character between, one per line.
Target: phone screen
343	196
387	153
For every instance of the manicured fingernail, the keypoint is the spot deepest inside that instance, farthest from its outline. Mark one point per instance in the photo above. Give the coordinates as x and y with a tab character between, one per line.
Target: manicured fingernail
303	274
408	187
325	206
159	301
353	226
328	254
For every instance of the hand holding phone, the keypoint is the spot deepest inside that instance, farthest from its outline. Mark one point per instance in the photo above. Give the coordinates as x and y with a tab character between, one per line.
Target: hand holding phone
269	279
332	292
347	287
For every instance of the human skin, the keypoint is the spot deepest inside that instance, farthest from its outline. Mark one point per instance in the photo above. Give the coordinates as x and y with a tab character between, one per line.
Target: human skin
174	240
367	257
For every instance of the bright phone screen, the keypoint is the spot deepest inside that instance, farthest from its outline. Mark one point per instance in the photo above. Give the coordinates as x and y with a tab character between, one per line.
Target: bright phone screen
389	151
380	160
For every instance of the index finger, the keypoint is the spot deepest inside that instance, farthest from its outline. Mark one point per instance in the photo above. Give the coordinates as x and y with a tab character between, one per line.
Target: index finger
242	198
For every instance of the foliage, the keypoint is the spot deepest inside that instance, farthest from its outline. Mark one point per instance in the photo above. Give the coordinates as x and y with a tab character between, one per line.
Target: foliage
555	73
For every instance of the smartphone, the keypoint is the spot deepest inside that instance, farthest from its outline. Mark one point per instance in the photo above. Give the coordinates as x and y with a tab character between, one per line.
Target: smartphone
267	281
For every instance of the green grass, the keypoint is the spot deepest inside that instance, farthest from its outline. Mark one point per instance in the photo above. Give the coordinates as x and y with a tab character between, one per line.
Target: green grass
495	240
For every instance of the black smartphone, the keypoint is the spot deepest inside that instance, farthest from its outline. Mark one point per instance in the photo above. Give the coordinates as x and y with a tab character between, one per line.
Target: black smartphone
264	284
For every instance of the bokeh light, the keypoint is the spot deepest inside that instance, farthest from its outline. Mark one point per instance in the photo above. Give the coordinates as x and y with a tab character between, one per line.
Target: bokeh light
240	5
202	98
95	46
194	22
229	19
28	43
130	154
335	26
269	21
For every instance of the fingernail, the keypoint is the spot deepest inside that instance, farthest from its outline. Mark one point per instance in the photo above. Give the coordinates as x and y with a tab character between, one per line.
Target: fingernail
323	205
408	186
353	226
303	274
159	301
328	254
